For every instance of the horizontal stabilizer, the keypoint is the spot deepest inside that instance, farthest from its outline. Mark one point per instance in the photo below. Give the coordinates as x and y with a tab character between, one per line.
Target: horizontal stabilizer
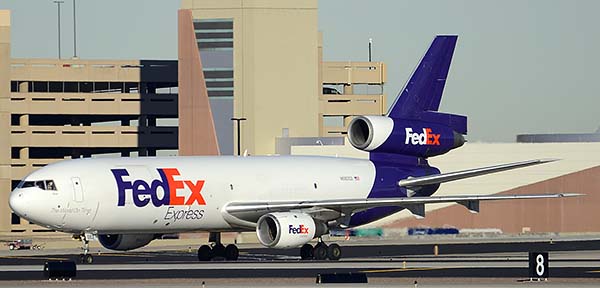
472	205
458	123
417	210
452	176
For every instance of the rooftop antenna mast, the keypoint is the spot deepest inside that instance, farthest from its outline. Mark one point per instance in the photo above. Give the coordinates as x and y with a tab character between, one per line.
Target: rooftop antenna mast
58	9
74	32
370	44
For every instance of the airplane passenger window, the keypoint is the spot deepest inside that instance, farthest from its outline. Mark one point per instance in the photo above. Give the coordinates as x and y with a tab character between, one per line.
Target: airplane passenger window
40	184
50	185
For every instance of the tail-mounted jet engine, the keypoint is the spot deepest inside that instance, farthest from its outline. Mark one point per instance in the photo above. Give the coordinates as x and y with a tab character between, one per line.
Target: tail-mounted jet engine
399	136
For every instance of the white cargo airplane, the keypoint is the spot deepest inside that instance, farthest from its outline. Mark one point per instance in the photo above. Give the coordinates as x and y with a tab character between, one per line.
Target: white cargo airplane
287	200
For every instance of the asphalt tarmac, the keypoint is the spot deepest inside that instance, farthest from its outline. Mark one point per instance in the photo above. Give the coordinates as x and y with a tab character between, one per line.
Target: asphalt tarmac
576	260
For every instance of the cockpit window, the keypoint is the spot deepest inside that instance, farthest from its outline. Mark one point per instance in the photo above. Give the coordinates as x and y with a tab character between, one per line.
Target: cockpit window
50	185
26	184
42	184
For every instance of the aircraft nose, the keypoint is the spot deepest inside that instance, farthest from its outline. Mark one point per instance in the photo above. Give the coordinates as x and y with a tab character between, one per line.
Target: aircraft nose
17	202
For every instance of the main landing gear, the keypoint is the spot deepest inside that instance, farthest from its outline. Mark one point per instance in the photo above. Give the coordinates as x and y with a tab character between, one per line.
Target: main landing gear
321	251
85	257
218	250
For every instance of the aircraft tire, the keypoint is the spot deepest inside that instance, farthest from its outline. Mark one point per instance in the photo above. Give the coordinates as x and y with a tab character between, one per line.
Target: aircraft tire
334	252
231	252
306	252
218	250
320	251
88	259
205	253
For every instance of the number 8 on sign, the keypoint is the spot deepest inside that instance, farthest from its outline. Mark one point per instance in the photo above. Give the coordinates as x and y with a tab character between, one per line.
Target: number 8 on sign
538	264
539	268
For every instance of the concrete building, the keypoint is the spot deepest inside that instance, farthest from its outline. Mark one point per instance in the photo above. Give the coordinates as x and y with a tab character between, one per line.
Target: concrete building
263	62
249	59
360	85
5	178
58	109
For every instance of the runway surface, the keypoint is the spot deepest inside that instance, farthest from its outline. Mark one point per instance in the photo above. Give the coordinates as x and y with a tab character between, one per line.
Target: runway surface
568	259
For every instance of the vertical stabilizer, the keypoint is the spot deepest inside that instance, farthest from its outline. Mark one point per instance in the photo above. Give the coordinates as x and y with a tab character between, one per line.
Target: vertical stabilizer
423	92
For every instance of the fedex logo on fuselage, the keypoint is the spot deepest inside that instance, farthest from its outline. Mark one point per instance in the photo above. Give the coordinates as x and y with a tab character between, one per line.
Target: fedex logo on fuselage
172	188
425	138
301	229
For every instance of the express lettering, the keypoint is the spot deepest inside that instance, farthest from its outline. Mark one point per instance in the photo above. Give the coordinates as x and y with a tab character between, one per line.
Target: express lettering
425	138
173	214
143	192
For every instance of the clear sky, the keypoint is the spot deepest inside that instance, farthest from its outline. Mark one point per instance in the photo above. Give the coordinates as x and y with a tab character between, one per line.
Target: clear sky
519	67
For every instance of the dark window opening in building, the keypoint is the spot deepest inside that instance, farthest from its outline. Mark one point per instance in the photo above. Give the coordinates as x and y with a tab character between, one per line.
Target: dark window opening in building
15	220
218	74
14	152
86	87
116	87
150	88
15	184
55	87
220	83
220	93
131	87
100	87
213	24
14	86
15	119
39	86
71	87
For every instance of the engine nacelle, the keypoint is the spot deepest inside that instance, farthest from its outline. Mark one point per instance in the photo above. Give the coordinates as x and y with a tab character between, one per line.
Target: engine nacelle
288	229
124	242
399	136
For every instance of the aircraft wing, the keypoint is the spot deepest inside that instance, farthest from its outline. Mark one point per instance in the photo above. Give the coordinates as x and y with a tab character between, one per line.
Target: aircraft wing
251	211
452	176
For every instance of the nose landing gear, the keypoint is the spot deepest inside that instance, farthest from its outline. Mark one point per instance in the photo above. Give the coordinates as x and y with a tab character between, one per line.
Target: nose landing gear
85	257
218	250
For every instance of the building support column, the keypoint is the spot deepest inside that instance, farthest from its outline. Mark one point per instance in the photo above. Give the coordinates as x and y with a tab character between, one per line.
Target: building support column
5	122
24	153
348	89
24	87
24	120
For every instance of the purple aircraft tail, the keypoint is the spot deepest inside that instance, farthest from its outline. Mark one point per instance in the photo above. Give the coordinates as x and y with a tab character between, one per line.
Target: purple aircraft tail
413	126
421	96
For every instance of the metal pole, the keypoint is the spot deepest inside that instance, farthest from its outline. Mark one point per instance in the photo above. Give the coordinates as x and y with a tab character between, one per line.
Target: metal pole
238	121
58	8
370	43
239	142
74	32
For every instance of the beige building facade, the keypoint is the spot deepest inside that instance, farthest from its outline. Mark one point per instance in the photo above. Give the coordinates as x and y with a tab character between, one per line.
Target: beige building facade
258	60
272	46
53	110
263	62
5	167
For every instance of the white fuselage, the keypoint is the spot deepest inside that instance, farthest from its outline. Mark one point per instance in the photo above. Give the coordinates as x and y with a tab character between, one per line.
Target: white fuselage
86	196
